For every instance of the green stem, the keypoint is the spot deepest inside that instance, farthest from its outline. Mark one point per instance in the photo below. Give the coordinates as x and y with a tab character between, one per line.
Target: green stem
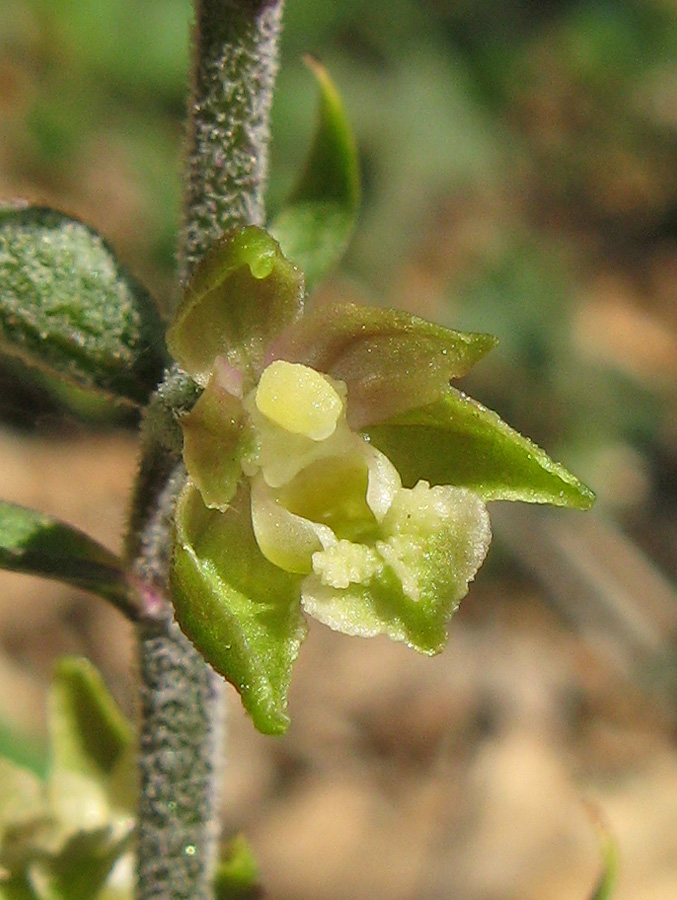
181	697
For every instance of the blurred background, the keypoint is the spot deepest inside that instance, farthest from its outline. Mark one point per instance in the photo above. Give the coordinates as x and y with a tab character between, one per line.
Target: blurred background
520	177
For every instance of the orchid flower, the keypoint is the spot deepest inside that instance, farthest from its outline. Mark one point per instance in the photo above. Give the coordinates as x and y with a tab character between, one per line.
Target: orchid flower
331	470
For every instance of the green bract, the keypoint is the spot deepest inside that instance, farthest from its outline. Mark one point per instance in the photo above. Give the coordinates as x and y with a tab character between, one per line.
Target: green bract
331	469
316	224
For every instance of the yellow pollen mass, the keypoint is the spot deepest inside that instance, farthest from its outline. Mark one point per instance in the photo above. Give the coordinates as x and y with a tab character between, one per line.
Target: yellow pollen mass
299	399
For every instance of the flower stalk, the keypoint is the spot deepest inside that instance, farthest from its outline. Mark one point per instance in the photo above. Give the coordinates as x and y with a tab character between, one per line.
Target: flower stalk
181	728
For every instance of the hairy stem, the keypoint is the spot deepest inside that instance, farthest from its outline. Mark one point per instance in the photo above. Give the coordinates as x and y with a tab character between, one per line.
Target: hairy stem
179	768
181	697
235	69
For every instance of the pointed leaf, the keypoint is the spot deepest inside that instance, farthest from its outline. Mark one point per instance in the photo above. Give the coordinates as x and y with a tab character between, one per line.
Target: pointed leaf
604	889
69	308
241	295
237	874
458	441
240	611
315	227
36	544
390	360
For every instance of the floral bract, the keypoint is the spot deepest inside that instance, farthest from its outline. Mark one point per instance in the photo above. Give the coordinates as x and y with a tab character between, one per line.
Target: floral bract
331	469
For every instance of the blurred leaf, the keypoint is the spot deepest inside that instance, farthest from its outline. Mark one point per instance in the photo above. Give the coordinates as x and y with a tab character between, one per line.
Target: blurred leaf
17	888
241	611
25	819
81	869
37	544
607	881
458	441
242	293
237	874
60	838
22	750
21	800
69	308
390	360
89	734
109	39
316	225
92	780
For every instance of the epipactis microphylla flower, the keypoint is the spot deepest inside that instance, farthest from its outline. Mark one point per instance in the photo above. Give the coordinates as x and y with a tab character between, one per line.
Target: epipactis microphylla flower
331	469
379	558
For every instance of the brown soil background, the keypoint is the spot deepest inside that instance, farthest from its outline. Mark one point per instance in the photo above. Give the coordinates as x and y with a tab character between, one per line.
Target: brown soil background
470	775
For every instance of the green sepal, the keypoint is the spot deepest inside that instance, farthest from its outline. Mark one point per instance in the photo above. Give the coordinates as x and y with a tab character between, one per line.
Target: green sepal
458	441
390	360
241	612
316	225
237	874
242	293
215	437
70	309
37	544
